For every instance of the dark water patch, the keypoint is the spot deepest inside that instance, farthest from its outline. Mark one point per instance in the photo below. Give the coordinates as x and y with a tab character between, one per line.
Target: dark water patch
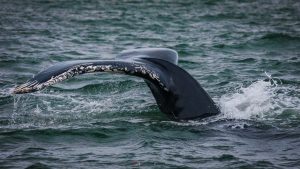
224	16
275	41
149	40
30	150
72	53
289	118
273	134
10	139
223	83
5	121
188	64
288	114
64	135
264	164
270	43
54	58
11	61
279	65
226	157
280	37
294	58
291	163
183	49
234	46
227	73
210	78
247	60
6	99
220	46
286	135
273	53
38	166
211	2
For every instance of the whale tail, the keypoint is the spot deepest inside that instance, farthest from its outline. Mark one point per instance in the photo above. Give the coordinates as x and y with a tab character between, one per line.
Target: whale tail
176	92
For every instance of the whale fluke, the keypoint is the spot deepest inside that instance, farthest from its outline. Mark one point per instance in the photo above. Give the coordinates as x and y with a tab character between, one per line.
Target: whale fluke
176	92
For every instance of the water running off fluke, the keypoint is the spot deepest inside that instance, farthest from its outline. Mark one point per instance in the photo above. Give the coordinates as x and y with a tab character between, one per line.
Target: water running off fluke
176	92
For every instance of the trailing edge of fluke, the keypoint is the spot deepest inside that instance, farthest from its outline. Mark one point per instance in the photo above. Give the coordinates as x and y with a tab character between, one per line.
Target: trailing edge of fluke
176	92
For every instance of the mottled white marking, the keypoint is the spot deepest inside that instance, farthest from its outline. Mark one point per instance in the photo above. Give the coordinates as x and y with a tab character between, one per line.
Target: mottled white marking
81	69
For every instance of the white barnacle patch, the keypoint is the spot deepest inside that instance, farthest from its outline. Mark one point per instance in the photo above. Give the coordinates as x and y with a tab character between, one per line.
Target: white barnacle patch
55	79
155	76
96	68
143	71
107	68
26	87
101	68
133	69
81	68
137	68
151	75
89	69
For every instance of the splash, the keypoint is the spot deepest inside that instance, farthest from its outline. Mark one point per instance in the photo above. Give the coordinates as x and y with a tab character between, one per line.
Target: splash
250	101
259	100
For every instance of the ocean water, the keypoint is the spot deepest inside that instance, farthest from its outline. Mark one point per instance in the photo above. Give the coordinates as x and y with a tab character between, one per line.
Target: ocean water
245	54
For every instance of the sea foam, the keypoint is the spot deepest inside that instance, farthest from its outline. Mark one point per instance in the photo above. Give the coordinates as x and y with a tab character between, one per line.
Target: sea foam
261	99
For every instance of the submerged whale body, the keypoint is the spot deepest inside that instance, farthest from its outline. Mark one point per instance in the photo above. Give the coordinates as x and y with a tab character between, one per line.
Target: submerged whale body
176	92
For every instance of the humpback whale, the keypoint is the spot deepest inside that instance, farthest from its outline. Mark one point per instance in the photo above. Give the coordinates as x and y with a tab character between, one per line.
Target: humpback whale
176	92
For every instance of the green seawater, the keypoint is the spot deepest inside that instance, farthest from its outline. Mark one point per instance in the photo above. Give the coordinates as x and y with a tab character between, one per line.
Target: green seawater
245	54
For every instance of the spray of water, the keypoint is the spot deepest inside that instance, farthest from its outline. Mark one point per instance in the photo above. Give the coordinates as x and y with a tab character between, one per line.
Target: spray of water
261	99
248	102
